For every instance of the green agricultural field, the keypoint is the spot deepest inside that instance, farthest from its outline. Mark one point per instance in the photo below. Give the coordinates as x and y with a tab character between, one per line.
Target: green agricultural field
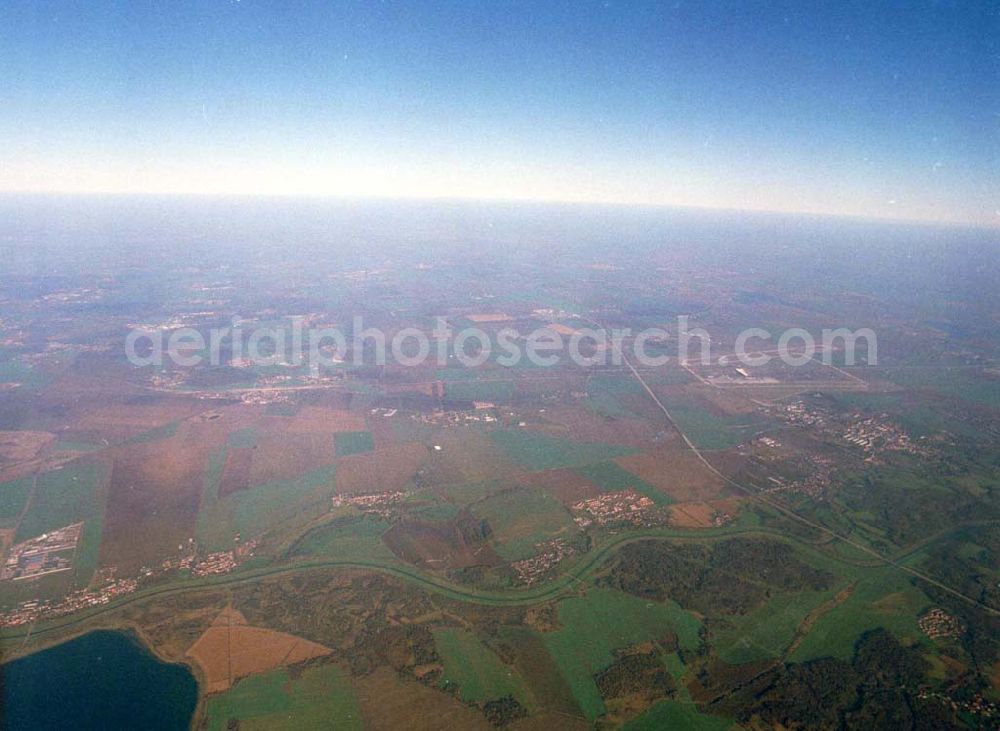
497	391
538	451
602	621
708	430
242	438
153	435
355	537
320	698
49	587
13	496
959	382
466	494
677	715
62	497
605	392
477	671
12	371
522	517
612	477
884	597
919	414
212	526
254	511
281	409
767	631
353	442
432	512
61	446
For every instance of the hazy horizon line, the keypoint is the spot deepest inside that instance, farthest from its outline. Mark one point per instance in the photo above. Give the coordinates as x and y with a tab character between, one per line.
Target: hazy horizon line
368	197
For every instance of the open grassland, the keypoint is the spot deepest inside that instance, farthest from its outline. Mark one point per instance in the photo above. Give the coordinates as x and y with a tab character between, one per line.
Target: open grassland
477	671
522	517
706	426
313	698
156	434
134	423
63	497
245	437
605	394
959	382
468	454
390	702
29	378
13	498
576	422
678	715
612	477
539	451
566	485
595	625
155	495
321	420
767	631
281	455
351	536
882	597
353	442
494	390
256	510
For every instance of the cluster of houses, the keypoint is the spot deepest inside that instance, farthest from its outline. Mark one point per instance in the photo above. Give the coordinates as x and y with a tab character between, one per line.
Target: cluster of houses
378	503
875	435
938	623
626	507
531	570
35	609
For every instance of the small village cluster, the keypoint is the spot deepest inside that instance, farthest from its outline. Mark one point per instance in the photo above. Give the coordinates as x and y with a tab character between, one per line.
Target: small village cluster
379	503
35	609
976	706
221	562
938	623
531	570
617	508
875	435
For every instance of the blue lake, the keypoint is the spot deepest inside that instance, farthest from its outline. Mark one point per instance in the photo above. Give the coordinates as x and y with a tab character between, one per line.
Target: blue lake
102	680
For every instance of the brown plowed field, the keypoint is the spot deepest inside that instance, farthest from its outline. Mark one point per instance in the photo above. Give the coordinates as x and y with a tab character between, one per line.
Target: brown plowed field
284	456
236	472
699	514
383	470
389	702
679	474
565	485
313	419
155	495
231	649
576	422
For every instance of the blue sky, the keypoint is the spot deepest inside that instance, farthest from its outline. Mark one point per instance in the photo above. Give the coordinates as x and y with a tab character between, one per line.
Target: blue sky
885	110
